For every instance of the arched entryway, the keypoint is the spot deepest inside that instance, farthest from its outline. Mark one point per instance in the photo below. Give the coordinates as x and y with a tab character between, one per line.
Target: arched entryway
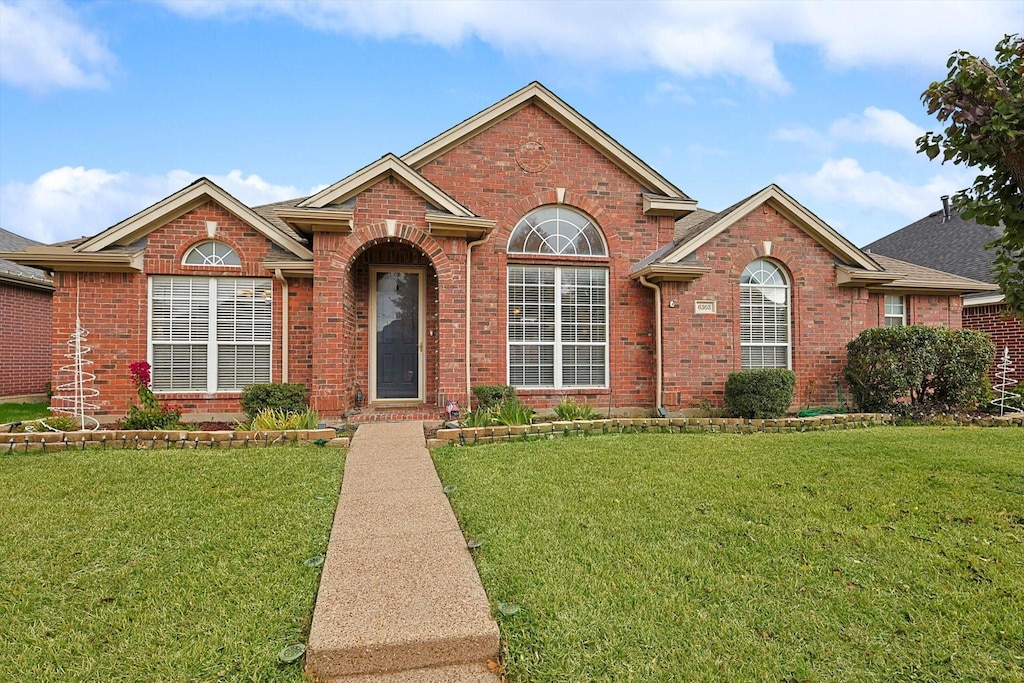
394	292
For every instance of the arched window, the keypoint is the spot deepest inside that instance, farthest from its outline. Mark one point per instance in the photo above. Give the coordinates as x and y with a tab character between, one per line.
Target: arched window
557	314
556	230
764	316
212	253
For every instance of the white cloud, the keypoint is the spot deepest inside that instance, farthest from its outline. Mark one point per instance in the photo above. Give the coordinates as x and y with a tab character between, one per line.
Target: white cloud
43	46
882	126
691	39
876	126
804	135
70	202
845	182
671	92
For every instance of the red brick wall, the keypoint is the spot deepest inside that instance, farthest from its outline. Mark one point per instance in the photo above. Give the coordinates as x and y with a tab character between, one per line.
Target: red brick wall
25	315
701	350
341	290
1006	331
113	307
483	174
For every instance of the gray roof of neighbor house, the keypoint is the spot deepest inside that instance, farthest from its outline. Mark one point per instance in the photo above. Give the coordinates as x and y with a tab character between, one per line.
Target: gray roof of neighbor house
952	245
9	241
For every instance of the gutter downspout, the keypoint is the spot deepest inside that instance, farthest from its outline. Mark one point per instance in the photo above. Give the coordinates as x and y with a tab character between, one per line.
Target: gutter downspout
657	338
469	299
284	324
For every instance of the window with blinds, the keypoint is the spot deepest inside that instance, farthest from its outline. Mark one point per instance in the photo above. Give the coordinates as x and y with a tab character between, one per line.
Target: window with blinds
557	327
210	334
895	310
764	316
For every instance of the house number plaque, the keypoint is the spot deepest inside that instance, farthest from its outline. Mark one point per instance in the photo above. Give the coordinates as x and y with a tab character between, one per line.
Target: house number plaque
705	307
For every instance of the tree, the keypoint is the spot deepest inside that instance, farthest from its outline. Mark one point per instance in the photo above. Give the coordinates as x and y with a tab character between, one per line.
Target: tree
982	107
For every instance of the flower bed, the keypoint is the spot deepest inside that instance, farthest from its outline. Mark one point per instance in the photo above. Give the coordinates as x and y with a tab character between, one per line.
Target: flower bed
164	440
548	430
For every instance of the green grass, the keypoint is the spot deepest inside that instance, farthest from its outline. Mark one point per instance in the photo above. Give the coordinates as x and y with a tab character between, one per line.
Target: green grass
14	412
186	565
869	555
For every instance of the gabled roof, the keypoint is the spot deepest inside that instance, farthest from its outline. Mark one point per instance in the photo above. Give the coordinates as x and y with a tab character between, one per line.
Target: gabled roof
537	94
952	245
693	236
199	192
15	272
387	165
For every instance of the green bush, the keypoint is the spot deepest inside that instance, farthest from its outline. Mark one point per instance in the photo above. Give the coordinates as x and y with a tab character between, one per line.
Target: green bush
289	398
160	417
759	393
490	395
569	409
893	369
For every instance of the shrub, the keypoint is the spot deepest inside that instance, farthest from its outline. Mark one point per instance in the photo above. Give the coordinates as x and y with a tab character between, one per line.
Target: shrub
150	415
759	393
490	395
569	409
270	419
893	369
289	398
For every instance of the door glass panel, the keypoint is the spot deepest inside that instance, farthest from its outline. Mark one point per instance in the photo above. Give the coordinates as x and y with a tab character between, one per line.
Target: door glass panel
398	335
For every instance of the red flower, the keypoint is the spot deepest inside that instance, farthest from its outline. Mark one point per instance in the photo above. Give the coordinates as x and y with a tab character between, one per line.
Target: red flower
140	373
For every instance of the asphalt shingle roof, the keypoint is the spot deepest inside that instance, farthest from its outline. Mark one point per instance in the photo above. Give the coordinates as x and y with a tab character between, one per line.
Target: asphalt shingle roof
921	273
954	246
12	242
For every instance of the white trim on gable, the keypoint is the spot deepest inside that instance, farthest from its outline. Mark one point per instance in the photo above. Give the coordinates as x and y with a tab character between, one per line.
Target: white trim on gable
791	209
536	93
387	165
131	229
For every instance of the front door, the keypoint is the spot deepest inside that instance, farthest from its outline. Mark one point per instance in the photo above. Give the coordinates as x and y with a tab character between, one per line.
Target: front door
396	341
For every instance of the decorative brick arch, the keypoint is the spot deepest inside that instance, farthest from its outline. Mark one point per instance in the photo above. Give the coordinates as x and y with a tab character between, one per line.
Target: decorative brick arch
368	236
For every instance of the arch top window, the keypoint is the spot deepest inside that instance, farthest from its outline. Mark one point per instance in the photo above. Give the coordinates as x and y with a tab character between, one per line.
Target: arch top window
764	316
212	253
557	230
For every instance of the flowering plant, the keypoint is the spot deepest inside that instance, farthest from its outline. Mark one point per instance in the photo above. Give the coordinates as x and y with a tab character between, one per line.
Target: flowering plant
151	415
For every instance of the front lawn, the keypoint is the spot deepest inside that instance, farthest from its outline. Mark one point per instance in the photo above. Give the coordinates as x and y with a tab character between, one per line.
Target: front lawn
170	565
870	555
15	412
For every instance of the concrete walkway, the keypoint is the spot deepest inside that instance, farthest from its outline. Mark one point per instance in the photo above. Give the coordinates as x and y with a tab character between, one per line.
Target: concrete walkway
400	598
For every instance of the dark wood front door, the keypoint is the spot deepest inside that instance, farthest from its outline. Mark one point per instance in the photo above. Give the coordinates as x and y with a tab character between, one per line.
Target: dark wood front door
398	342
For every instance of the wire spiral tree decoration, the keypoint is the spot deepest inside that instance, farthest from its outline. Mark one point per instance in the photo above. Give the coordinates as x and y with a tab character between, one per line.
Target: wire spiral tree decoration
74	396
1007	400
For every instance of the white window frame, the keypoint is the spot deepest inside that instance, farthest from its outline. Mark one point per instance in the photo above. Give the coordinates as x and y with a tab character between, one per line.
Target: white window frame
195	248
557	344
789	319
212	343
897	320
571	217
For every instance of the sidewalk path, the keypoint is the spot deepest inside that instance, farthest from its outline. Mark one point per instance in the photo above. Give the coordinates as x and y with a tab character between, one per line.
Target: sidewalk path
400	598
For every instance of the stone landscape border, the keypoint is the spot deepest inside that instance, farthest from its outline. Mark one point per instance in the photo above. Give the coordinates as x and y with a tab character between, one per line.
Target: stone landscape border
675	425
164	440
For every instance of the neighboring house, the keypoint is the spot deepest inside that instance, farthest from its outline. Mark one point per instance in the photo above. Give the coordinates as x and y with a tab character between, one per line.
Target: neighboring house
25	312
945	241
522	246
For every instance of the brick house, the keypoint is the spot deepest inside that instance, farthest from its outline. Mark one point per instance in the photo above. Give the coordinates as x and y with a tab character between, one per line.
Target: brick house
945	241
522	246
25	311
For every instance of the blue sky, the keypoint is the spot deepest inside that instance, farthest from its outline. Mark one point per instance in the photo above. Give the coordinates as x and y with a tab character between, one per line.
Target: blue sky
106	107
